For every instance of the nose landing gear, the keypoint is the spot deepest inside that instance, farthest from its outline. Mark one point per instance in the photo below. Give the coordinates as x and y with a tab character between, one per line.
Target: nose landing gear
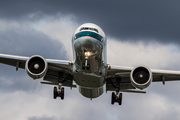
86	65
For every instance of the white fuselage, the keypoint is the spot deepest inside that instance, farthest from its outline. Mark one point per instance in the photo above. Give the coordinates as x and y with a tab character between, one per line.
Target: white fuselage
89	54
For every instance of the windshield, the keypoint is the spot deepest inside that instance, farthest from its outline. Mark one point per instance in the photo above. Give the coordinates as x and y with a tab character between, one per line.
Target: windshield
88	33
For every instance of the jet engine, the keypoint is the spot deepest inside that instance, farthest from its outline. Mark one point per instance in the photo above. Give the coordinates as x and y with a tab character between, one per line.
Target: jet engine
36	67
141	77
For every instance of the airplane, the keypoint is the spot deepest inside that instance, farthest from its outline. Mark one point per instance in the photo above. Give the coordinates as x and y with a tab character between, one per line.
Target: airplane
89	69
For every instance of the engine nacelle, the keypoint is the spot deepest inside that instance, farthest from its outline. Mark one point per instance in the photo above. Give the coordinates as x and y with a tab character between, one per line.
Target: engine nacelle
141	77
36	67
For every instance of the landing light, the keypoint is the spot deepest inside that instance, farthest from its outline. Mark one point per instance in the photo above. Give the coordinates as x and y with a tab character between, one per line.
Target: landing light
87	53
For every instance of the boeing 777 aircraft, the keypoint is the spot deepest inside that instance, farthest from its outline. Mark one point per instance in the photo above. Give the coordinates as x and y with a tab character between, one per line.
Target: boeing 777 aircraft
89	68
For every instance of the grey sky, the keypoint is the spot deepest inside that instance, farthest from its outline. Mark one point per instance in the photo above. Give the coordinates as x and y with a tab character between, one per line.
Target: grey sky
45	27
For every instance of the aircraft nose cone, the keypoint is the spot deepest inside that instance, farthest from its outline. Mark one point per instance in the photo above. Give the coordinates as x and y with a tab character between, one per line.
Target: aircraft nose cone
36	66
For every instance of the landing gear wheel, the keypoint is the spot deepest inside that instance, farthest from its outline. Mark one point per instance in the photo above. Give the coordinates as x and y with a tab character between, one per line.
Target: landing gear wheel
88	66
62	93
116	98
83	66
120	99
55	92
113	98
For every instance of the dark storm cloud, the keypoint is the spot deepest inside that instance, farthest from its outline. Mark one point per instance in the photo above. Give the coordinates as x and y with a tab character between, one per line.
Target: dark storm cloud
123	19
25	41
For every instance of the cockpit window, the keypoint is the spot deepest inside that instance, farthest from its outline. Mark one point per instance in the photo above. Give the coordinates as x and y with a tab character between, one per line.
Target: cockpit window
87	28
89	33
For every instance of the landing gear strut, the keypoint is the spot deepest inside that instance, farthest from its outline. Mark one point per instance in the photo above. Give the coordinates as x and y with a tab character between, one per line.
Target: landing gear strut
116	98
58	92
85	64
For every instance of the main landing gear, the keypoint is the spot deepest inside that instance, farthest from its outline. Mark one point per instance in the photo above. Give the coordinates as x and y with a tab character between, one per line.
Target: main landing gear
116	98
58	92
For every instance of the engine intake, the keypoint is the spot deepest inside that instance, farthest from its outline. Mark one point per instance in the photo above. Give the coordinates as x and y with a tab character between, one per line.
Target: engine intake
141	77
36	67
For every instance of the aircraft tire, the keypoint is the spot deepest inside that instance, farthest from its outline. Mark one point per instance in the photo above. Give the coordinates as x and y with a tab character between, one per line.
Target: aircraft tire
88	66
55	92
120	99
83	66
62	93
112	98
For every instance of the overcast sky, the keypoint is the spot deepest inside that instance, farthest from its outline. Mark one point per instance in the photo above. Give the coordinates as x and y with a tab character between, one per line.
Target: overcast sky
138	32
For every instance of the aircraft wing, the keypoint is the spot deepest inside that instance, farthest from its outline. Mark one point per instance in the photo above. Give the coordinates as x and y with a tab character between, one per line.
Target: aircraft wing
123	74
59	71
16	61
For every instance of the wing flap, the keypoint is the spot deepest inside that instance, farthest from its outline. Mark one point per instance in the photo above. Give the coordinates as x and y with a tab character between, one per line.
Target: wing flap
63	84
109	87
